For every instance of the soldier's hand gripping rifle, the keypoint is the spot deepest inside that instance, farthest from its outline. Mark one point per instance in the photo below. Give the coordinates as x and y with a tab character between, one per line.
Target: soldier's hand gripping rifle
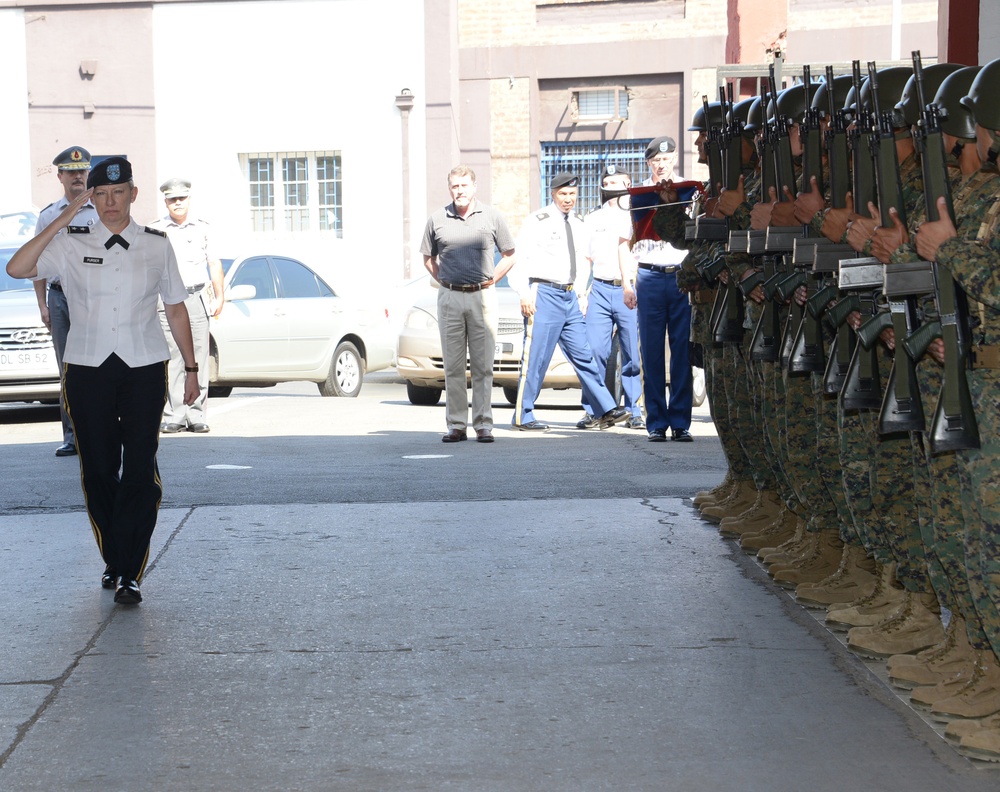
861	279
953	427
901	410
713	229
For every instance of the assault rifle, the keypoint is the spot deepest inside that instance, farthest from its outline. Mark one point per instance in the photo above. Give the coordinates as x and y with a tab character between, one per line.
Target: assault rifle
954	426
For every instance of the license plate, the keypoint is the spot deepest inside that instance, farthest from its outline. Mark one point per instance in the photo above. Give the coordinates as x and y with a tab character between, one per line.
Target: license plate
500	349
29	361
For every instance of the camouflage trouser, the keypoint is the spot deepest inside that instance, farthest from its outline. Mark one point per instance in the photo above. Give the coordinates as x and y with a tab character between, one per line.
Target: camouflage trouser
828	459
981	496
801	442
741	412
942	517
856	431
719	388
894	499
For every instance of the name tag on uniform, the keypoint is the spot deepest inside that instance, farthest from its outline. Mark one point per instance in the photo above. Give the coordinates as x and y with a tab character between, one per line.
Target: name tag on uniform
92	260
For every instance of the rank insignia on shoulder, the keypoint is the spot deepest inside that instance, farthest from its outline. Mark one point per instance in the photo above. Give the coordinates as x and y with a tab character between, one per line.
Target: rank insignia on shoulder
542	216
156	231
77	229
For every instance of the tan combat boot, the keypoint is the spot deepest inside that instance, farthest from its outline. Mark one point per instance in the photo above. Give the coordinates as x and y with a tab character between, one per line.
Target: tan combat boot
764	511
983	744
744	496
854	579
936	663
884	599
980	698
718	492
779	530
799	543
925	697
820	565
957	729
913	627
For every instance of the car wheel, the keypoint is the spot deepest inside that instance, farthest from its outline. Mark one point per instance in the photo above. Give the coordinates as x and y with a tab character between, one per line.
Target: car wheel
347	372
510	394
698	375
216	391
219	391
421	395
613	371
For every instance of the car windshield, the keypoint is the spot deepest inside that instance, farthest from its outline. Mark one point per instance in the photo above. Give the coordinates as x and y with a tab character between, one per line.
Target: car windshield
7	283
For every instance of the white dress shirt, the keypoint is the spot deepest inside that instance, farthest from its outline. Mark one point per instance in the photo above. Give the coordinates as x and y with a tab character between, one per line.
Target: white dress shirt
112	292
543	251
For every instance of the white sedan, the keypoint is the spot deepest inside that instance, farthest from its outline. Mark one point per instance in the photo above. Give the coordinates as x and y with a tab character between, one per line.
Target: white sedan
283	322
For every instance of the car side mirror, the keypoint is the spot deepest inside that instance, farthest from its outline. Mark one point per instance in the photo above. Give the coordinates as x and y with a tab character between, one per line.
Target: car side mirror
243	292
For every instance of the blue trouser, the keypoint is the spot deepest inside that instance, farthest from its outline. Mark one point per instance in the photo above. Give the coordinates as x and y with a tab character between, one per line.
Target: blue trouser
605	311
557	320
663	310
59	322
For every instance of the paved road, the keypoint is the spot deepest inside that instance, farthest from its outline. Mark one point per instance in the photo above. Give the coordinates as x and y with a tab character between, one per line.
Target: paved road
337	601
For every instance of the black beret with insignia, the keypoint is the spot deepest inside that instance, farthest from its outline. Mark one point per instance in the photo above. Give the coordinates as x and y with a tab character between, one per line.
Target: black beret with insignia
564	179
660	145
113	170
610	169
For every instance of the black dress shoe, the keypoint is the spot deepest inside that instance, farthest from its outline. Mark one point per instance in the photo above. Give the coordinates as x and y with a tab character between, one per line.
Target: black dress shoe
128	592
484	436
681	435
455	436
66	449
171	428
612	417
110	577
588	422
657	436
199	428
531	426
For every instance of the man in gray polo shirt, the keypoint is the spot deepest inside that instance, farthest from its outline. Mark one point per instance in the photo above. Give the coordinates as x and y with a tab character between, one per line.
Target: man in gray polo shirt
458	248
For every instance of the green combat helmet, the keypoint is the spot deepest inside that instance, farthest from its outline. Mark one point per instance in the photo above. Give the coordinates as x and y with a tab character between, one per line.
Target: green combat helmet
956	119
715	118
983	100
909	103
842	86
891	82
741	113
790	104
755	117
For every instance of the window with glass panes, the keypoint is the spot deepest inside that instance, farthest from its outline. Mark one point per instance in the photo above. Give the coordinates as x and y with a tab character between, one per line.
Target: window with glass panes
296	192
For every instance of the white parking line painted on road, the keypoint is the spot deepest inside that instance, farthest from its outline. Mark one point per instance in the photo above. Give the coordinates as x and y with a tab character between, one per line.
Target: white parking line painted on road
427	456
229	467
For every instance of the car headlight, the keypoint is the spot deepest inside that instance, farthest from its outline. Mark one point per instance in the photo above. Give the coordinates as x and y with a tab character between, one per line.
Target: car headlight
419	319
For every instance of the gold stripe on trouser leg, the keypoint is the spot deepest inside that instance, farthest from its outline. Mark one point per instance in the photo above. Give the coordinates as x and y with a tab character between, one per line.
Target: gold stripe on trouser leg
523	373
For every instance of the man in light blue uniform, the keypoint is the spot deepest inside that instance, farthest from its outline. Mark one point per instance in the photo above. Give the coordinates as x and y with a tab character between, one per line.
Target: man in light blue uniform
550	273
664	310
72	170
610	229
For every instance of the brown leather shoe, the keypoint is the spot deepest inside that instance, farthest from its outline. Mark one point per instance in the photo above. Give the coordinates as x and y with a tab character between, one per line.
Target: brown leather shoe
455	436
484	436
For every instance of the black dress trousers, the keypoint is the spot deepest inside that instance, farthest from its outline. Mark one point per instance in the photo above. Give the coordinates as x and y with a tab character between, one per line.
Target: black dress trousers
116	412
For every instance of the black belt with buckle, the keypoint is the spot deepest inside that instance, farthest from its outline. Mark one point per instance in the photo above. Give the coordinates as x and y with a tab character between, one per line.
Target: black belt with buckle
566	287
56	286
608	282
195	289
467	287
665	269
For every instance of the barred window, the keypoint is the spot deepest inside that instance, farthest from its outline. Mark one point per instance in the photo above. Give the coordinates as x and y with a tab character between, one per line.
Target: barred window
295	192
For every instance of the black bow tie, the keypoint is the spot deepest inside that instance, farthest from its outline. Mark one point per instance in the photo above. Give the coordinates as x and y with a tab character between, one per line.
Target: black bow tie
115	239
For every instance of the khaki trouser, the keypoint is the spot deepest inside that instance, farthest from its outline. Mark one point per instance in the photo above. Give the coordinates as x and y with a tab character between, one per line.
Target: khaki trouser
468	325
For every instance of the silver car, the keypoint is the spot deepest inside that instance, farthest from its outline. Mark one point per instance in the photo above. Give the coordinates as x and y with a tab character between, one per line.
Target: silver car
28	368
283	322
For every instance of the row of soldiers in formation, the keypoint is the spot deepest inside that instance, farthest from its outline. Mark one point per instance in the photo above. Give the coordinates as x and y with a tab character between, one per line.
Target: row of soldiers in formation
849	232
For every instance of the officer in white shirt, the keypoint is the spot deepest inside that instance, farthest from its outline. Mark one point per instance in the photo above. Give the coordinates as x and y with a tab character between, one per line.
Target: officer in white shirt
550	273
199	265
72	170
114	273
610	229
